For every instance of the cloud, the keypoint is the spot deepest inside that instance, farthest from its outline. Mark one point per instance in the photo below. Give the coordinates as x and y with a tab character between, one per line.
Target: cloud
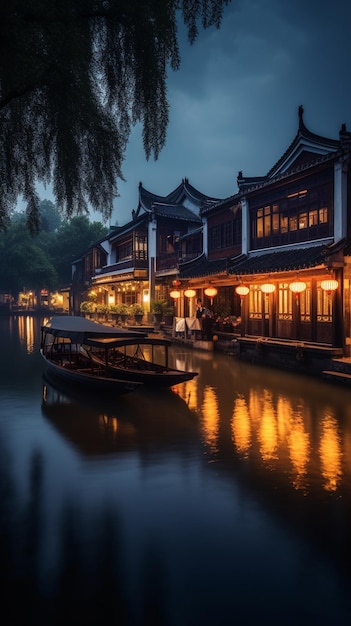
234	102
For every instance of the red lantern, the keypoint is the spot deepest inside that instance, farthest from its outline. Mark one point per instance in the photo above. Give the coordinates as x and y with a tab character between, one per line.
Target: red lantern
211	292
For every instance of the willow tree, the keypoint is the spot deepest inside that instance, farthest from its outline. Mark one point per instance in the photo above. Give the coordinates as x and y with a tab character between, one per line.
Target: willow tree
75	76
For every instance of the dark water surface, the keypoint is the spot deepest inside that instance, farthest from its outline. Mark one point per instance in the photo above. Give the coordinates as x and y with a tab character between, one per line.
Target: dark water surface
225	501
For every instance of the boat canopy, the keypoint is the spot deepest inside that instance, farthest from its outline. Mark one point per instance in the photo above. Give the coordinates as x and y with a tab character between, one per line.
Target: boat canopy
80	330
127	341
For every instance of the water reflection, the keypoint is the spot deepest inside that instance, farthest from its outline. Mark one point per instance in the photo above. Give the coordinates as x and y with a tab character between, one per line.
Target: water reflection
224	500
26	331
145	420
291	426
241	426
210	421
299	452
330	453
276	426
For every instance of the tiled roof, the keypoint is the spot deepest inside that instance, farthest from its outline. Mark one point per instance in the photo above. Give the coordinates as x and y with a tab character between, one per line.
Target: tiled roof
282	261
130	226
186	190
202	267
175	211
177	197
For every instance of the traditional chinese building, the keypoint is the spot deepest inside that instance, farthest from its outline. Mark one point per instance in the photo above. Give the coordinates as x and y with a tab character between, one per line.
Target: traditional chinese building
138	262
276	253
292	272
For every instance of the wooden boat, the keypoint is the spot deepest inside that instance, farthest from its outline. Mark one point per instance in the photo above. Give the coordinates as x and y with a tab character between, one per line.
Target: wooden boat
62	348
79	346
142	359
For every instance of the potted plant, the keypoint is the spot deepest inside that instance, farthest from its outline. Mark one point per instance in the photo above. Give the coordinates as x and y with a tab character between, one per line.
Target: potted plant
168	313
113	312
123	311
87	308
157	309
138	312
102	311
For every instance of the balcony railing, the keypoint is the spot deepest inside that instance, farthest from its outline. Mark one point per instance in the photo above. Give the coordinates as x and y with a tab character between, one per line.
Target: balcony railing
131	263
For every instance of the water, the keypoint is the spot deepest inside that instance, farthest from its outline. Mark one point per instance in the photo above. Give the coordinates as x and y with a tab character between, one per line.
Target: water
223	501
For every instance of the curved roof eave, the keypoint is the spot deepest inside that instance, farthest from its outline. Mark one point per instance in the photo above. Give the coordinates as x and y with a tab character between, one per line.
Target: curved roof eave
325	149
308	139
201	267
183	191
280	261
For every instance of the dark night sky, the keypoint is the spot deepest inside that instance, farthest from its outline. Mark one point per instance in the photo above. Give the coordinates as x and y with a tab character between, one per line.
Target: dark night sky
234	102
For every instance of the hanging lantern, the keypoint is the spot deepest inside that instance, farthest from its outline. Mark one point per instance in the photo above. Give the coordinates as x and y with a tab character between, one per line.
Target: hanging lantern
242	290
211	292
190	293
267	288
175	294
176	283
329	285
297	287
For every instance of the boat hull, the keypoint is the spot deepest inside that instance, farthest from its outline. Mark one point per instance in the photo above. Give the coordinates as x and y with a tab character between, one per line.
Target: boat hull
167	378
89	380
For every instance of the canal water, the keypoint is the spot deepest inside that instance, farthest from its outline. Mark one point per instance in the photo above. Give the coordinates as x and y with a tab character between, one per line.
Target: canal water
226	500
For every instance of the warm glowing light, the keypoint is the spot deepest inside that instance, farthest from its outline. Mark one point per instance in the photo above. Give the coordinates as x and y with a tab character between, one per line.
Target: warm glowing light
329	285
268	432
298	286
330	453
175	294
267	288
211	292
241	427
242	290
210	422
299	451
190	293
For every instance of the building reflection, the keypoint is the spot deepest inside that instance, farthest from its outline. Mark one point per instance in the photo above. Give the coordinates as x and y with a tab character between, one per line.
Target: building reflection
26	331
267	432
241	426
280	431
330	453
210	418
299	451
146	421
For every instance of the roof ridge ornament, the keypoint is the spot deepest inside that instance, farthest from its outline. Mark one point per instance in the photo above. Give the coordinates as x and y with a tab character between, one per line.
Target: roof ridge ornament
301	122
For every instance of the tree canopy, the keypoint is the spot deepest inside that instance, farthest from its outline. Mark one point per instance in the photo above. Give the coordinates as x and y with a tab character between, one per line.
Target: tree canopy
44	261
75	76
